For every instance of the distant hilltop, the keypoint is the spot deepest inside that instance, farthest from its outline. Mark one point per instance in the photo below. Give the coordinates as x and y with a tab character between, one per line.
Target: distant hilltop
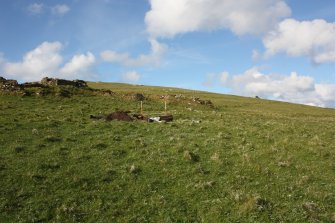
7	84
43	87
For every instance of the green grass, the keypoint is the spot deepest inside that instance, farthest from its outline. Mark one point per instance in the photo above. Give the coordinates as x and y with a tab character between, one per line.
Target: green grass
247	160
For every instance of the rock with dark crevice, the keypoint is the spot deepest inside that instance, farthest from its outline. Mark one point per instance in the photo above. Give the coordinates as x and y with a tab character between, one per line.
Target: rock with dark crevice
52	82
9	85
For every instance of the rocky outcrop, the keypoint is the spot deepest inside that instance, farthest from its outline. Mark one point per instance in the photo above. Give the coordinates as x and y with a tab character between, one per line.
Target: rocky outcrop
203	102
32	84
9	85
59	87
52	82
105	92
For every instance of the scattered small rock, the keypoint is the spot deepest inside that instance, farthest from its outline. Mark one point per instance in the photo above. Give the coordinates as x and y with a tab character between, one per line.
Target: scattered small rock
134	170
161	118
19	149
215	157
311	208
191	156
116	138
203	102
205	185
284	164
251	203
106	92
262	203
139	117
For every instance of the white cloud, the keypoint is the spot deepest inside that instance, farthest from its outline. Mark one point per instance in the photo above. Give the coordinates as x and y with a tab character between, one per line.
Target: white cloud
131	76
78	65
315	39
60	9
293	88
157	50
326	92
39	8
115	57
212	79
256	55
223	77
277	86
169	18
35	8
46	60
2	58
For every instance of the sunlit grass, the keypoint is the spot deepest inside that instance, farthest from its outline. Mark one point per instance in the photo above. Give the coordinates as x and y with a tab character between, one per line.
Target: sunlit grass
245	160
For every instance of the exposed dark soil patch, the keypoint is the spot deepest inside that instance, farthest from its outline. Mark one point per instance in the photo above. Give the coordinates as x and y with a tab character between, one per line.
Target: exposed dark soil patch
120	116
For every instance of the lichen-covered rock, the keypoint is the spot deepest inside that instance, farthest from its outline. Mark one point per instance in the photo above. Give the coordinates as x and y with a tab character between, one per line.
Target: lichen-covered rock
32	84
52	82
105	92
203	102
9	85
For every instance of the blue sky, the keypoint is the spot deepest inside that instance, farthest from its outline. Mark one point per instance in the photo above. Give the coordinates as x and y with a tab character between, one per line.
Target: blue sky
276	49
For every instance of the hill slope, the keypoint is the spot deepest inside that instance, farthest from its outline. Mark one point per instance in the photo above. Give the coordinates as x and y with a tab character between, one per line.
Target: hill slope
243	159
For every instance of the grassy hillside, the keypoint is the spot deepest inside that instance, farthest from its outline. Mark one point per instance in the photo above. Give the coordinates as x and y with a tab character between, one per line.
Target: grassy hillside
243	160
